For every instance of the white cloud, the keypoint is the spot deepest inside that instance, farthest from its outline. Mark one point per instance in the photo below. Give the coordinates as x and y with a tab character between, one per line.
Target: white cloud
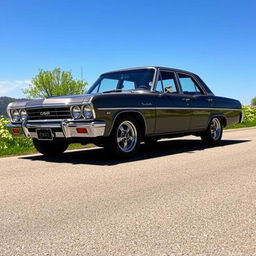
13	88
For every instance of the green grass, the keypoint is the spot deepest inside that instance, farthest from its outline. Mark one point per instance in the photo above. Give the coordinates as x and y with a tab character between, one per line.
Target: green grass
19	149
16	150
242	125
79	146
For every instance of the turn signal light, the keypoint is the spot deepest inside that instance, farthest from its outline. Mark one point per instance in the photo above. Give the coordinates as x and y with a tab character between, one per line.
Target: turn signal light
81	130
16	131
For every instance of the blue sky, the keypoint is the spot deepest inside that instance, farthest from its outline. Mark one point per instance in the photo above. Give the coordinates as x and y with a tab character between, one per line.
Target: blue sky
215	39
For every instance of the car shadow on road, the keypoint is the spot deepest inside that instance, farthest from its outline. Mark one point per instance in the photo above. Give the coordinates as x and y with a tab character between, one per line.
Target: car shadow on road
98	156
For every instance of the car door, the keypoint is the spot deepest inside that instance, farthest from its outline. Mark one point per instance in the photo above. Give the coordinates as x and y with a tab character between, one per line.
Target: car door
200	103
172	108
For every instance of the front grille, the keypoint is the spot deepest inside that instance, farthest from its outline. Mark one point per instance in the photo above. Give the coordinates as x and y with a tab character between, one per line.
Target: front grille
48	113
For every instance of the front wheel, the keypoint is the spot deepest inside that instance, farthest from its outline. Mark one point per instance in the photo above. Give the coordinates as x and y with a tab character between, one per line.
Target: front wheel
125	137
213	133
50	148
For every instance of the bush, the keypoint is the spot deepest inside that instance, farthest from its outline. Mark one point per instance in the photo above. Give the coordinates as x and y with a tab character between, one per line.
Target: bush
249	114
10	144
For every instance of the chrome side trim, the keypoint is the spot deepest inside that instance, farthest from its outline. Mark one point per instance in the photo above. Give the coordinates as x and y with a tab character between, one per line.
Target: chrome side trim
163	108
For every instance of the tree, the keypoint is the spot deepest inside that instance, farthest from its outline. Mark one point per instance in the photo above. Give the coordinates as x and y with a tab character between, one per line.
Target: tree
4	101
54	83
253	101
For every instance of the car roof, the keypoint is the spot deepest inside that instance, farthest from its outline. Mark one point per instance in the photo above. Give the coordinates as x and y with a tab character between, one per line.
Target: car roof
151	67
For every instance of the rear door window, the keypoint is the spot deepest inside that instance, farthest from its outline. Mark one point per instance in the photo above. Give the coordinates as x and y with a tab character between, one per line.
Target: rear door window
188	85
166	82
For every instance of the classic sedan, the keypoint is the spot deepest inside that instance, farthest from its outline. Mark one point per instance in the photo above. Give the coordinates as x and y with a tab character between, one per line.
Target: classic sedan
124	108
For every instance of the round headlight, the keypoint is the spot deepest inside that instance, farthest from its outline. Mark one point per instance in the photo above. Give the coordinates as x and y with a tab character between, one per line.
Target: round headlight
76	112
23	115
15	115
87	112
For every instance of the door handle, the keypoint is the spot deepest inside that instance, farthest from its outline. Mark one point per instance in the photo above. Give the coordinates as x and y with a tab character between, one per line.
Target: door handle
185	99
210	100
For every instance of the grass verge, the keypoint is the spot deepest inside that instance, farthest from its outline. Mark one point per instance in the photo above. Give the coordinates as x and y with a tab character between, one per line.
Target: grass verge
17	150
242	125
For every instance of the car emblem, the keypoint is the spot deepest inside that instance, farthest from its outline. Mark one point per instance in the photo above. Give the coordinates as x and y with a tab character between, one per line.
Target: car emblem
45	113
146	104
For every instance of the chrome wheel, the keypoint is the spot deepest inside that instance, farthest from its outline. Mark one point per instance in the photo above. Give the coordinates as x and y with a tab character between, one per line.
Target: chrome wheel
213	134
215	129
126	136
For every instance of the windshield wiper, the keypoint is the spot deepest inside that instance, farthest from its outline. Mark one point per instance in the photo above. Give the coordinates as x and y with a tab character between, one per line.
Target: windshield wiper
116	90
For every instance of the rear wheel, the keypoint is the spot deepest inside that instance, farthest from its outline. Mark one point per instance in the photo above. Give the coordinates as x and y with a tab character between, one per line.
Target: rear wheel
213	133
50	148
125	137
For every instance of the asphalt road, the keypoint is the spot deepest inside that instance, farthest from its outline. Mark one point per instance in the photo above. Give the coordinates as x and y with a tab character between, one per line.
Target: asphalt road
178	198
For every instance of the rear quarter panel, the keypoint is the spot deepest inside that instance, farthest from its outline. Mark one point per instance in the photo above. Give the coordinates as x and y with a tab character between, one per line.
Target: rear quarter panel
230	108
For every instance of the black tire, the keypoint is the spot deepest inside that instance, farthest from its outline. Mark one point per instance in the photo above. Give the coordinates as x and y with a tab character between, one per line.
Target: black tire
213	134
50	148
125	137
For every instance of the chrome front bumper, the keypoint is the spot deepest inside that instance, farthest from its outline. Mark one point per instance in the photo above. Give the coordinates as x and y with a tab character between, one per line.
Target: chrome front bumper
63	129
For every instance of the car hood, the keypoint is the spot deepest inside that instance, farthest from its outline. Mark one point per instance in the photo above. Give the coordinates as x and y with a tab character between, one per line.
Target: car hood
52	101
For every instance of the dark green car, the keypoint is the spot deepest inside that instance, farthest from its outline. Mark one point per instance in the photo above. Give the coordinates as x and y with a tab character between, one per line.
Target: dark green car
124	108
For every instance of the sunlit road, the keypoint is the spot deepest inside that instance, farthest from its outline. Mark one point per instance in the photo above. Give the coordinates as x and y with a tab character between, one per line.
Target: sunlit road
178	198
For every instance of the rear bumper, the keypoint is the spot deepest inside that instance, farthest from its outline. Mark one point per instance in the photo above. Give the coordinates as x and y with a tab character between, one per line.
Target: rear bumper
63	129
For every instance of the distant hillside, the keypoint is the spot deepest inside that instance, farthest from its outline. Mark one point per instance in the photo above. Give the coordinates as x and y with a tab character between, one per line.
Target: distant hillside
4	101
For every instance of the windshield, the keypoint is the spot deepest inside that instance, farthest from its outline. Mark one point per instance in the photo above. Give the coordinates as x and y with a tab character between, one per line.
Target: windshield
141	79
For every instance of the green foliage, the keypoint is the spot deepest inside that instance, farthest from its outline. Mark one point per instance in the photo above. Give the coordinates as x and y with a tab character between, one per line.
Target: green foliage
253	101
249	118
12	145
4	134
249	114
54	83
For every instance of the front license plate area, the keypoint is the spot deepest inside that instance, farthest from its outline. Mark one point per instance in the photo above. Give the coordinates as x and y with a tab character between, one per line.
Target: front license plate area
44	134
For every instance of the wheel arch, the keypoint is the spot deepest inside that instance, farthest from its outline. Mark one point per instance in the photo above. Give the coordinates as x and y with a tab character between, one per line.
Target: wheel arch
133	113
221	117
